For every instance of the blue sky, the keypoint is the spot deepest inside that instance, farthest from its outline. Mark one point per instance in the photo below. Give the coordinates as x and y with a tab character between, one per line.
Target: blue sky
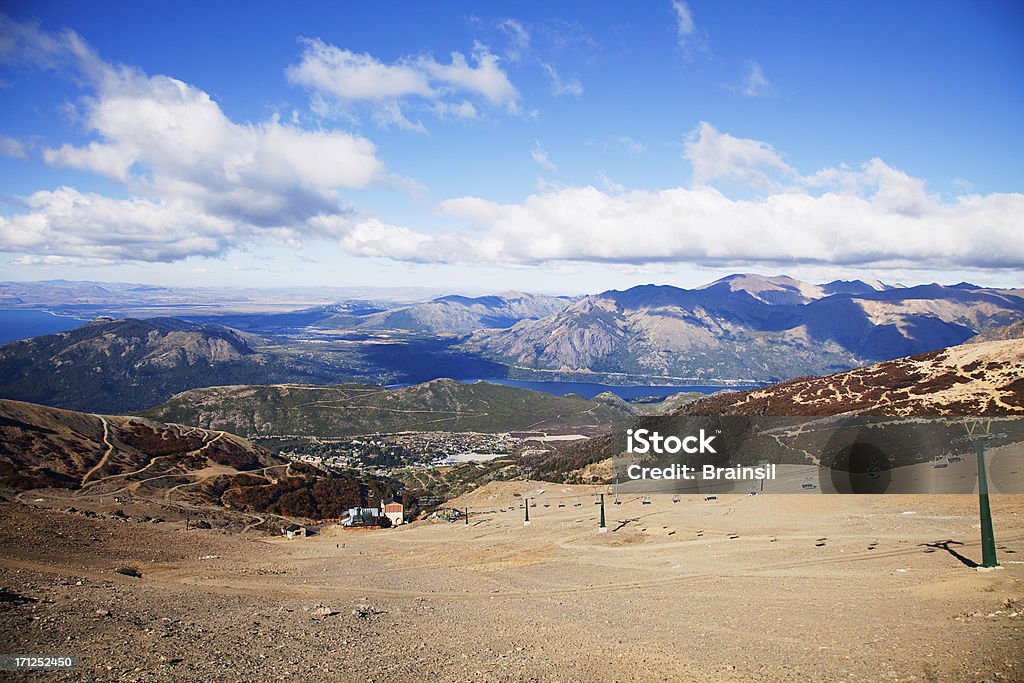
564	147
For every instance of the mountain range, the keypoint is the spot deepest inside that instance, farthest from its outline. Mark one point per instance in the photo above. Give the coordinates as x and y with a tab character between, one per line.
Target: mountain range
747	328
115	365
445	315
740	330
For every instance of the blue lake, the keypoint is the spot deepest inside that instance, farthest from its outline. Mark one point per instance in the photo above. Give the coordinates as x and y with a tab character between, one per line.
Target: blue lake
22	324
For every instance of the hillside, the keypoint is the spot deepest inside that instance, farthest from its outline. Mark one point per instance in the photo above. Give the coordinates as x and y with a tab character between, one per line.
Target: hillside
1014	330
172	464
970	379
438	405
747	328
127	365
42	446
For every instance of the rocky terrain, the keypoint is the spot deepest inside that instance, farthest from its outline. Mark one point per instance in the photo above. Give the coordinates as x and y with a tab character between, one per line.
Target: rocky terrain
746	328
984	378
81	458
443	404
772	587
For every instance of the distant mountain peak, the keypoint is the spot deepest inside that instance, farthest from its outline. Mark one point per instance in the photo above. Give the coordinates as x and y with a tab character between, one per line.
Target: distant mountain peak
776	289
854	287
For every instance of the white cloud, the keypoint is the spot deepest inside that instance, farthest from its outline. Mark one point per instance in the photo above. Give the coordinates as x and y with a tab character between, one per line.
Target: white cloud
720	156
66	225
351	76
486	78
10	147
609	184
630	145
684	21
460	110
518	40
560	87
687	34
387	114
167	139
541	157
755	83
349	79
374	238
869	216
199	182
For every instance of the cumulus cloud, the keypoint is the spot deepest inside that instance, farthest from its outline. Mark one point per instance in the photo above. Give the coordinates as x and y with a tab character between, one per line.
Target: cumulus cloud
720	156
200	183
870	215
65	225
351	76
348	79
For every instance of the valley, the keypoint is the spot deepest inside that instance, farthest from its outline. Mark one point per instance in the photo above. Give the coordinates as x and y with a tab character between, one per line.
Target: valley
163	508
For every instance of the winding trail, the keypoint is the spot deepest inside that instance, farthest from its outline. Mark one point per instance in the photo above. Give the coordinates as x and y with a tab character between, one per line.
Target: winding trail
106	456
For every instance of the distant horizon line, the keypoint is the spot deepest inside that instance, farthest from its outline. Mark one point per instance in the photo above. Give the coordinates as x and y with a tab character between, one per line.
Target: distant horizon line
476	291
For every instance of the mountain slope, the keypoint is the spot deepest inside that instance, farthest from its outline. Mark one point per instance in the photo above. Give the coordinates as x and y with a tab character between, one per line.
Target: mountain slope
438	405
460	314
127	365
747	328
1014	330
42	446
970	379
174	465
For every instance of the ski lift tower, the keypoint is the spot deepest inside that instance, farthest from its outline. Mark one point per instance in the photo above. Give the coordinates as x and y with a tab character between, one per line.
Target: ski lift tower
978	430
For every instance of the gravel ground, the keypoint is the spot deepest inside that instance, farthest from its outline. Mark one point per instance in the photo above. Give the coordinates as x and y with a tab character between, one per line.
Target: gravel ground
745	588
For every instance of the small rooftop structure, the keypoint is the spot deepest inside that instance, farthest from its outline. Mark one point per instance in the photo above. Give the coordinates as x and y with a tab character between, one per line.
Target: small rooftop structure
394	510
295	531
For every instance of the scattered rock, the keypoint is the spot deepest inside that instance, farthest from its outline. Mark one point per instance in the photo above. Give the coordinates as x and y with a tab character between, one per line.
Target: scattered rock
364	611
